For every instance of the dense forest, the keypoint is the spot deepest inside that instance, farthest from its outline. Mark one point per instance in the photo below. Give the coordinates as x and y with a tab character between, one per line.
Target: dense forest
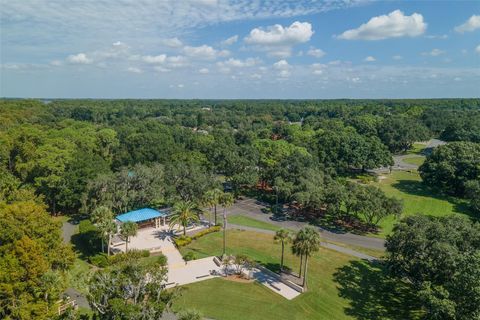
70	156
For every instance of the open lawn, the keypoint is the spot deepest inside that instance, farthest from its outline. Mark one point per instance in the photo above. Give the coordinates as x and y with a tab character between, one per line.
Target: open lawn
417	198
417	148
415	160
250	222
339	287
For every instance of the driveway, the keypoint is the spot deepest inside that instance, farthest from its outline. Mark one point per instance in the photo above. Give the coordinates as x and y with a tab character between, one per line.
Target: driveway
253	209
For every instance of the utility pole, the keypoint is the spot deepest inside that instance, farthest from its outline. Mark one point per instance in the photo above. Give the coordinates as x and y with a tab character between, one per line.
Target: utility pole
224	230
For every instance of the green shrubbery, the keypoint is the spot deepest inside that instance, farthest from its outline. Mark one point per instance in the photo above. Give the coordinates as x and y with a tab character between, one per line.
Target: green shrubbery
101	260
189	256
185	240
206	231
182	241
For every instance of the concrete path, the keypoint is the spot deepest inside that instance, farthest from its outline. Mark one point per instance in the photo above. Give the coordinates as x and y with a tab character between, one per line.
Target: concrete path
253	209
192	271
273	283
79	298
68	230
331	246
400	164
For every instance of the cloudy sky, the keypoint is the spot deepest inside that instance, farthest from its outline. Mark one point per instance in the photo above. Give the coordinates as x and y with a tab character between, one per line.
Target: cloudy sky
239	49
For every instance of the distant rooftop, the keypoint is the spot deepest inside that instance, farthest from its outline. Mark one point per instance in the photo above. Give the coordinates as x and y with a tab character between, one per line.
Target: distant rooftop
142	215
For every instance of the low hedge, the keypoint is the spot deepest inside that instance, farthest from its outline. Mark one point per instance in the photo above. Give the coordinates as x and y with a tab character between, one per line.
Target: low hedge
182	241
206	231
185	240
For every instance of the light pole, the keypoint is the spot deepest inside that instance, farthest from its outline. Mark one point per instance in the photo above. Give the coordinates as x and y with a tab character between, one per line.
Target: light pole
224	230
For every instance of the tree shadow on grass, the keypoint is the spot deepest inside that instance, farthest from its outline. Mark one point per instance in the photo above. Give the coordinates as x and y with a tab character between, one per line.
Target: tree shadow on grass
418	188
86	244
373	295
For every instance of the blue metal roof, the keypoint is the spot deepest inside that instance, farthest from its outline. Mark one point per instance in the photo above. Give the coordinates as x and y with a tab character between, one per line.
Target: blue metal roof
141	215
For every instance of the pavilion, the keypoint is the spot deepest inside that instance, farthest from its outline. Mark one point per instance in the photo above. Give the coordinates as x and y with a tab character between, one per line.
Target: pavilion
146	217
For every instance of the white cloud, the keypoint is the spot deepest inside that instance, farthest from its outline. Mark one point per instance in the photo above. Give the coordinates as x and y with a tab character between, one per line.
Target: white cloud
204	52
477	49
176	61
281	65
134	70
80	58
277	35
237	63
393	25
203	71
318	68
397	57
155	59
434	53
161	69
230	40
473	23
370	59
180	85
435	36
56	63
317	53
172	42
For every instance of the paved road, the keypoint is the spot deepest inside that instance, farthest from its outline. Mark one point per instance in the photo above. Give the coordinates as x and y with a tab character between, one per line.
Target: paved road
68	230
399	164
331	246
253	209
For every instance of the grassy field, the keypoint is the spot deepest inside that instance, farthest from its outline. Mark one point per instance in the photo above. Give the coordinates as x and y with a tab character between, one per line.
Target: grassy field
415	160
250	222
340	287
417	148
417	198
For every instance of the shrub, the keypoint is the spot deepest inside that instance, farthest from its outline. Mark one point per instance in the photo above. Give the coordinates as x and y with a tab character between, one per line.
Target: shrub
86	226
182	241
189	256
206	231
130	255
162	259
100	260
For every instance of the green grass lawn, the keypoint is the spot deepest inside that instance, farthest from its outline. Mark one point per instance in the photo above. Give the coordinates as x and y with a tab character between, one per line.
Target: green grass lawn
417	148
415	160
340	287
417	198
250	222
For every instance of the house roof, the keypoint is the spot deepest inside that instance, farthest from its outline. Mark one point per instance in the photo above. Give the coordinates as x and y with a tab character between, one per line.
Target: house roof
142	215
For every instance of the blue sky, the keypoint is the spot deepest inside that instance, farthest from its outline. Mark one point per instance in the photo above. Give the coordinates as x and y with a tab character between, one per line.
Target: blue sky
239	49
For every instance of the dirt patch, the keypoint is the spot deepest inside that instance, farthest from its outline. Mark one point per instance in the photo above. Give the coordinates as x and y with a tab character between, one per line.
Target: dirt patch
382	177
238	278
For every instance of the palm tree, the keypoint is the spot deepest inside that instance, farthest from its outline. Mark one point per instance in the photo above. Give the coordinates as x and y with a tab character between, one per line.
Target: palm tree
109	228
213	198
307	241
283	236
102	217
226	201
184	212
129	229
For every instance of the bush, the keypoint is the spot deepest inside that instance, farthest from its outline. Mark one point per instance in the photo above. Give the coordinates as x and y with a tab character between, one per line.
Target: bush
130	255
206	231
162	259
189	256
86	226
100	260
182	241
